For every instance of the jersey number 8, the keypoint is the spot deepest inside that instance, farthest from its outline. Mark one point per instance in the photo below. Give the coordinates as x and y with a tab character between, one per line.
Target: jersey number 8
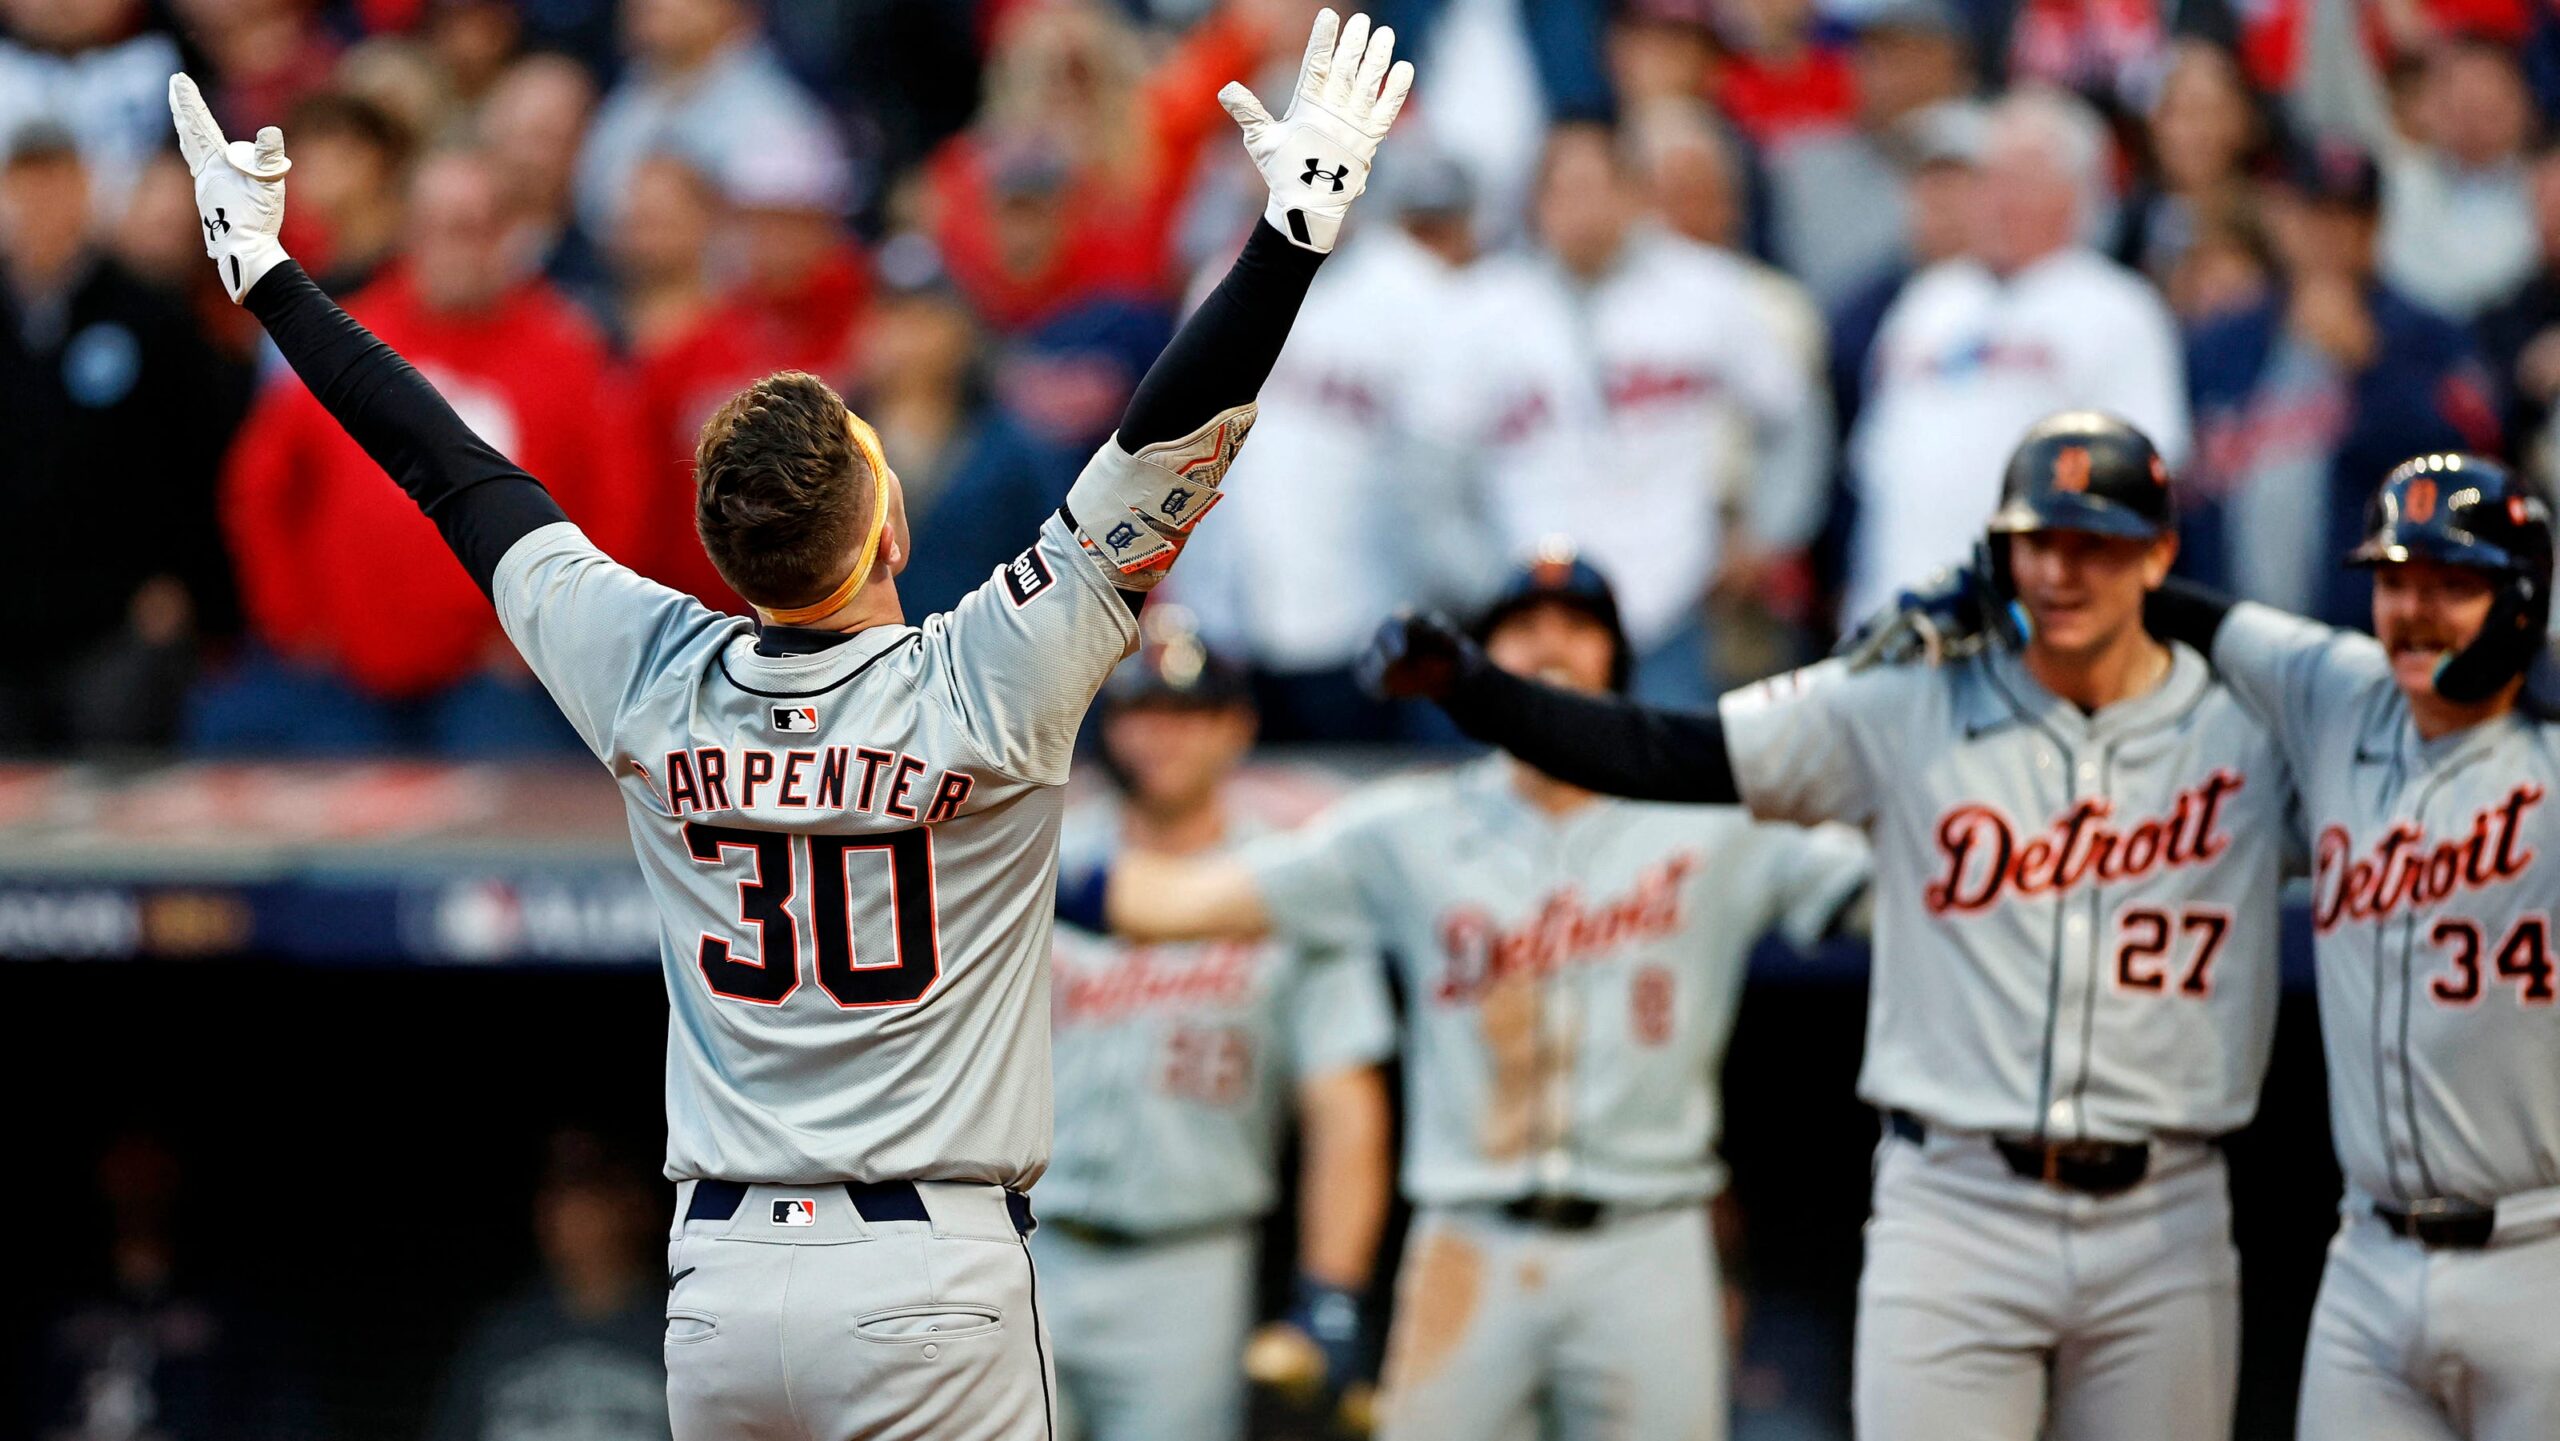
764	902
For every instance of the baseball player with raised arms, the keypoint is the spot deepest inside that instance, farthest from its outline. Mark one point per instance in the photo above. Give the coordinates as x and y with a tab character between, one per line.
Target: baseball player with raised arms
2079	845
1571	966
848	824
1177	1065
2429	757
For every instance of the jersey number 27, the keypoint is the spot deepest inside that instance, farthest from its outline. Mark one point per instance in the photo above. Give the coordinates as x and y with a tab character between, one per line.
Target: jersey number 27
768	977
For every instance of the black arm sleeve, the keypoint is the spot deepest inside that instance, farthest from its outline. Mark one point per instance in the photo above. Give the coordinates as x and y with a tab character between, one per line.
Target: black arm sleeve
2183	610
479	500
1600	743
1226	348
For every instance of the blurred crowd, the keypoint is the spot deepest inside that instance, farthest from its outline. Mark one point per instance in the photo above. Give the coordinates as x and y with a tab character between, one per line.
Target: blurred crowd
1749	298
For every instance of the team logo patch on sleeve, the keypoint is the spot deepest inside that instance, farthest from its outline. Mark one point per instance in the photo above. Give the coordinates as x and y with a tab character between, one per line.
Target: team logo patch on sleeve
1026	575
795	717
795	1211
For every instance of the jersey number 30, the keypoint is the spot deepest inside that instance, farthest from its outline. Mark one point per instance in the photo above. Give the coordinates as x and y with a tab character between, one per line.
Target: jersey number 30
769	976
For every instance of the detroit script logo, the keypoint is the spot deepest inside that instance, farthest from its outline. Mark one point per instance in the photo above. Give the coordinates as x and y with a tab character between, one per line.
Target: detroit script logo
1983	859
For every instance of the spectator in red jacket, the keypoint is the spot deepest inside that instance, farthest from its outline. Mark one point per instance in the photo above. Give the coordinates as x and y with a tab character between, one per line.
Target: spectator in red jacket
801	294
1070	183
322	542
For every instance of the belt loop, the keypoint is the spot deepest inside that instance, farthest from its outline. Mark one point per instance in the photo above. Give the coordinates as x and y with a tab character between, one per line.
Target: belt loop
1019	1206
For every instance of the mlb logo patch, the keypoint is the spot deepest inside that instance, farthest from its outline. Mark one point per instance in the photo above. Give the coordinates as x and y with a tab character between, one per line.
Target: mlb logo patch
796	1211
795	717
1025	576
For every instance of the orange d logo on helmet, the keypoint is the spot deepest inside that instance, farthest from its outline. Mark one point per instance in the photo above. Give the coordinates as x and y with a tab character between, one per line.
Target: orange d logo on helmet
2422	500
2071	468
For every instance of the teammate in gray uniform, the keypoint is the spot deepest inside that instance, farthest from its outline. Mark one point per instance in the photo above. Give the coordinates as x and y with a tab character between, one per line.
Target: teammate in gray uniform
848	824
1571	967
2428	770
2078	847
1176	1065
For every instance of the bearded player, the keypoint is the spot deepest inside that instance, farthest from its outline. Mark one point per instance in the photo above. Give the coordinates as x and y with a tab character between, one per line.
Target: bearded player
2429	759
849	824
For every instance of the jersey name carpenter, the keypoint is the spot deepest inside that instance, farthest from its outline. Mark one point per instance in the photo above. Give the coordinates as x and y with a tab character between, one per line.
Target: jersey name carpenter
859	779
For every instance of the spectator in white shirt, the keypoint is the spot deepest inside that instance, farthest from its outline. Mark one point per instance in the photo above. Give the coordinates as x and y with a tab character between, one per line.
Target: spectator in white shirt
1695	182
1978	348
2457	209
92	69
1622	386
1326	527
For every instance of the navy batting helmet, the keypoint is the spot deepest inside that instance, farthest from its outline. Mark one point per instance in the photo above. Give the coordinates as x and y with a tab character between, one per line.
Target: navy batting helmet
1556	573
2084	470
2080	470
2468	510
1174	667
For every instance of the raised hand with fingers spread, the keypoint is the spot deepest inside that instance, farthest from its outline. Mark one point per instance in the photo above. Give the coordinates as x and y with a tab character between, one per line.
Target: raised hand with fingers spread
239	189
1316	158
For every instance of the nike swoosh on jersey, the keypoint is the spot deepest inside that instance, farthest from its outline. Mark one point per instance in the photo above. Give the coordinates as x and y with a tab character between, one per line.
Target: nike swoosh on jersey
674	1276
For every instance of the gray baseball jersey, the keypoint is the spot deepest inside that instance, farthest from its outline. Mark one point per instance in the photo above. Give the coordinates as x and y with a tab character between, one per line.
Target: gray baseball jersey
1571	980
1174	1062
852	851
2075	930
2430	918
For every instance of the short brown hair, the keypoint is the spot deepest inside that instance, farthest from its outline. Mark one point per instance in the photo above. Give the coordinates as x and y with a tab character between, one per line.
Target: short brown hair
781	495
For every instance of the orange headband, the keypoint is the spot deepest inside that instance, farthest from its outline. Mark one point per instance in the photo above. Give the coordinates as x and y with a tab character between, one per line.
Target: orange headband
866	440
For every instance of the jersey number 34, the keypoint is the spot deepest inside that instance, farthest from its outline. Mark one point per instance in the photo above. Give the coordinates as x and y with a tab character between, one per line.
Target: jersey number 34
768	977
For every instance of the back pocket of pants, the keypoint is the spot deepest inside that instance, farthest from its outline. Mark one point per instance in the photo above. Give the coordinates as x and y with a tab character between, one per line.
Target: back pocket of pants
934	1321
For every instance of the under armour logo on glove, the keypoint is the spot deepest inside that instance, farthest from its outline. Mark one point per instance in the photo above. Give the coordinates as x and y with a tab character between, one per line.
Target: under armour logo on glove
1316	158
1316	172
232	175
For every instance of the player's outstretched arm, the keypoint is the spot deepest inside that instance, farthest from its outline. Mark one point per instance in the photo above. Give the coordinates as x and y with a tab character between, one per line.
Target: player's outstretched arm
1137	502
1143	897
482	502
1601	743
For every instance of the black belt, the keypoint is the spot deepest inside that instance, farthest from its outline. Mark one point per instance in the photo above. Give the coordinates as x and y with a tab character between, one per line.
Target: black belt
1558	1213
2094	1168
1120	1238
876	1201
2437	1222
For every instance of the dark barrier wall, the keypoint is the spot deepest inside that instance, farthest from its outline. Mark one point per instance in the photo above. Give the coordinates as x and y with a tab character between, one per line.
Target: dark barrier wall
357	1150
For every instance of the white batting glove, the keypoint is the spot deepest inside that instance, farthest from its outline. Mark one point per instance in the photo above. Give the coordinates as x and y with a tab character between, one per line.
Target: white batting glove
1316	158
239	189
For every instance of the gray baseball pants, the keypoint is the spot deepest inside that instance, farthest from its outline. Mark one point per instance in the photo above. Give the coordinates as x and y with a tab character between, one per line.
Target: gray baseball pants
1611	1334
2412	1344
1151	1336
1997	1308
796	1319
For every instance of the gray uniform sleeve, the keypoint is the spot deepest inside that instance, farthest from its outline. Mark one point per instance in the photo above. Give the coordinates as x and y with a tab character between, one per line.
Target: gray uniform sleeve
1815	744
2290	672
1339	1015
1022	655
1818	872
596	633
1315	881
